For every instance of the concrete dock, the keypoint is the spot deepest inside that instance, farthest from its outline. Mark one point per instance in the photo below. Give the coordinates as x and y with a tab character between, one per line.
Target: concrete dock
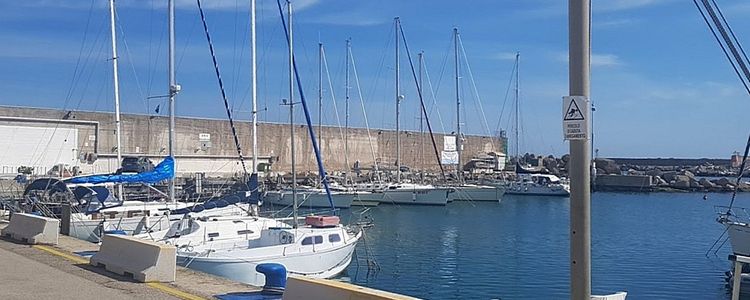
63	272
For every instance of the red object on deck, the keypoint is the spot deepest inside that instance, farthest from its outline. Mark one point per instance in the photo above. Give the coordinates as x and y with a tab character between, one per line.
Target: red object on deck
322	221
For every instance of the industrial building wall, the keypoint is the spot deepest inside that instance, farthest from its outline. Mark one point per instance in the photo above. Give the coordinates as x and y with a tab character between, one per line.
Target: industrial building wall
38	147
207	145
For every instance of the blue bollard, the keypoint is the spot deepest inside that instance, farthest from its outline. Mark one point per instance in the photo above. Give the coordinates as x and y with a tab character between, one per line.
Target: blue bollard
116	232
275	278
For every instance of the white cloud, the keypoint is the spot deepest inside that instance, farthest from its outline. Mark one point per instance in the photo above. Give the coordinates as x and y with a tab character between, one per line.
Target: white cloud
503	56
347	20
738	8
605	60
597	60
618	5
612	23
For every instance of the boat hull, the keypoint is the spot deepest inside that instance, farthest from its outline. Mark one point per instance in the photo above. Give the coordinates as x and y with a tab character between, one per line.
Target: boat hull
84	228
477	193
537	190
241	266
437	196
739	238
310	199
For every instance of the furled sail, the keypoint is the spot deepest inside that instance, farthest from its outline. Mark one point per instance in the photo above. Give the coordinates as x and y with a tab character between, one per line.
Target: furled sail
163	171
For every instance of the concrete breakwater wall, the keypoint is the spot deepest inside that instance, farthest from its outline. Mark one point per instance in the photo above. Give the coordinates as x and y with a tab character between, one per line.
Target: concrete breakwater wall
40	138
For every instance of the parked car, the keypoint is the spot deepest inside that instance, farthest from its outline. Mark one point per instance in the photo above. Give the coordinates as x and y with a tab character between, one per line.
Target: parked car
135	164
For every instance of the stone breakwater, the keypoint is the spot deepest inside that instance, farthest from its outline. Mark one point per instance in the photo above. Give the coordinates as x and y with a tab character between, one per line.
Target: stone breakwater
697	178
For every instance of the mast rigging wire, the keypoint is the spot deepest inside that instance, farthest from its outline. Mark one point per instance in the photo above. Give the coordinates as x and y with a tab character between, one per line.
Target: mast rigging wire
738	60
475	90
333	98
421	101
364	113
310	128
223	93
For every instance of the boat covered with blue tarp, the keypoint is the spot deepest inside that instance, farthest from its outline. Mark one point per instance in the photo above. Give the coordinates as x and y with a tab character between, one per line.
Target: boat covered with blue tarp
163	171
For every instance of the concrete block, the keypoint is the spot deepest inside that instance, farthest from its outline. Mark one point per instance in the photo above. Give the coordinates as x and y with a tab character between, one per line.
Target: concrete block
33	229
304	288
145	261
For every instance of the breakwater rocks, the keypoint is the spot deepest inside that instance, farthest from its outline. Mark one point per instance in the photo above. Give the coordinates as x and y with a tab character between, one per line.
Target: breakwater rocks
702	178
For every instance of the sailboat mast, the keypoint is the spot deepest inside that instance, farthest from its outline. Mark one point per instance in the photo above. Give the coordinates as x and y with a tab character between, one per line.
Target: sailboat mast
518	102
254	83
398	106
291	111
346	105
458	104
320	96
173	89
116	84
421	115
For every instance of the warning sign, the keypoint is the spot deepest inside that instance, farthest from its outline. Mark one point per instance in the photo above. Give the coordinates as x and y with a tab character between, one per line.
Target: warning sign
576	111
449	157
449	143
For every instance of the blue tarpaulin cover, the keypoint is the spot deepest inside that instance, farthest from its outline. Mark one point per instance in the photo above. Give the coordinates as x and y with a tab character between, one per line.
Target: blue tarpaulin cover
163	171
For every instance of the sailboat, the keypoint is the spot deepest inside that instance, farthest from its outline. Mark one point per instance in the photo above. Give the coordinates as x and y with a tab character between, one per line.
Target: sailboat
463	190
530	182
316	197
320	248
98	212
403	192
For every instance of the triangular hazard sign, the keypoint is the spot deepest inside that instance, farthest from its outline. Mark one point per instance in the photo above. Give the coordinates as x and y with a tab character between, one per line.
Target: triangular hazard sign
573	113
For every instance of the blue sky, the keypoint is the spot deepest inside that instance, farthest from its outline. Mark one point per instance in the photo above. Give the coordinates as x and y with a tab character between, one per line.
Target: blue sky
661	85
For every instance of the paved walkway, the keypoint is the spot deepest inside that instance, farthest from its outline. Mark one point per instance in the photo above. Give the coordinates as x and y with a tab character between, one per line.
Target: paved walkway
25	278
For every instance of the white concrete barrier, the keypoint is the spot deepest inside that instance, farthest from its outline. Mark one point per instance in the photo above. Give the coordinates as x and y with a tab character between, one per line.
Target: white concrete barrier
33	229
145	261
303	288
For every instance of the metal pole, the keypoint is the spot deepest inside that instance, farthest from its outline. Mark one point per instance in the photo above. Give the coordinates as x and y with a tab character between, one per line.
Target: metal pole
518	104
736	280
593	145
320	98
458	104
254	83
346	110
116	83
421	115
291	110
579	172
173	89
398	107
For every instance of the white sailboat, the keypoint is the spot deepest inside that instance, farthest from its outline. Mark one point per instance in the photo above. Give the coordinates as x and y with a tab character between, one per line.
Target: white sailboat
462	190
401	192
128	216
528	182
312	197
137	217
320	248
538	185
316	197
312	251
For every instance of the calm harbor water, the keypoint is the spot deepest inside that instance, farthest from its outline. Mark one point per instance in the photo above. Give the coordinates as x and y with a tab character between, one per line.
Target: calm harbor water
651	245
